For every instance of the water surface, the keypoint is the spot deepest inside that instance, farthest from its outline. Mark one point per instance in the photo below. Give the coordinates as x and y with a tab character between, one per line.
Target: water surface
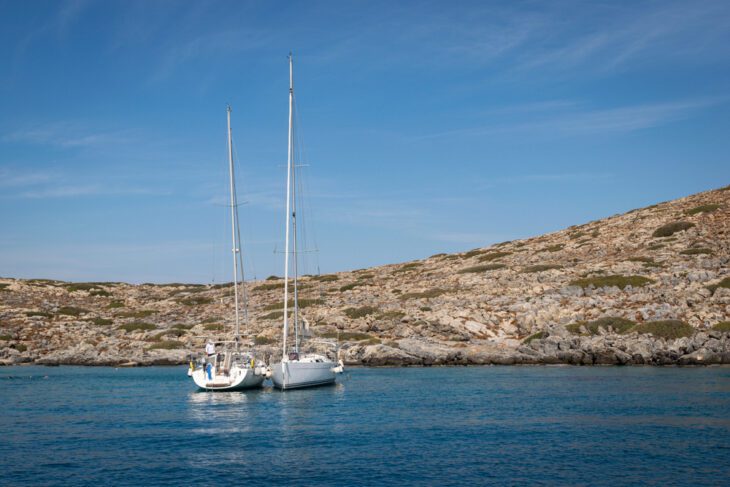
418	426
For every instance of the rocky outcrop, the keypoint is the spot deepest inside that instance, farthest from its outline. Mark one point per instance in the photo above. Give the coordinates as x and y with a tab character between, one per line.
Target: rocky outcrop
532	301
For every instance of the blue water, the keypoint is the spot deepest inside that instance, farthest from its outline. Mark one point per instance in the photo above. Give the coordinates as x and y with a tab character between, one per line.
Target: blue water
417	426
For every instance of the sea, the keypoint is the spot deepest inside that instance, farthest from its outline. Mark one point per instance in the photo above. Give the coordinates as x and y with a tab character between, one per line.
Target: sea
376	426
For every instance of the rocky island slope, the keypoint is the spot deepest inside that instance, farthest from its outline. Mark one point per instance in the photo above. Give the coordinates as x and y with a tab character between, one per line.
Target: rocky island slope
651	286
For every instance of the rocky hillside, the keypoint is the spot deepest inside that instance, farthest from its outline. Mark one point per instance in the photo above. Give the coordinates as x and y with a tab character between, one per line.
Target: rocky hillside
649	286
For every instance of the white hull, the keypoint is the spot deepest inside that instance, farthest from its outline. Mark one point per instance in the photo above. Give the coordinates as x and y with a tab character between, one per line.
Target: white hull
295	374
236	380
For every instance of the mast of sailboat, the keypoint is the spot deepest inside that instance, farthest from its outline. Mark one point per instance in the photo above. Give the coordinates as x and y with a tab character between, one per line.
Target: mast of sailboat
288	210
234	221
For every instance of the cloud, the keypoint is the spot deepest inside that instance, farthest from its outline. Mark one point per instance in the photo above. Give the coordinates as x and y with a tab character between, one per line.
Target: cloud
590	121
67	135
10	178
73	191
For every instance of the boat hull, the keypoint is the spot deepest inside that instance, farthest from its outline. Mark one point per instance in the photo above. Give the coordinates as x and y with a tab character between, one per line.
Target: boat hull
297	375
238	379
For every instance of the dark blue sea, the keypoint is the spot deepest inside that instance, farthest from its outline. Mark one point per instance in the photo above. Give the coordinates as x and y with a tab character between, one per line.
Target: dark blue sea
412	426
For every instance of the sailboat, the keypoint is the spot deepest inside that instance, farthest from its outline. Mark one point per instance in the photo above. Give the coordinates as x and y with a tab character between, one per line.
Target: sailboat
230	368
297	369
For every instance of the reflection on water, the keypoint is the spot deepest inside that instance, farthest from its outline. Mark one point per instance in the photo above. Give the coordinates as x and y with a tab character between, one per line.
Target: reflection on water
509	425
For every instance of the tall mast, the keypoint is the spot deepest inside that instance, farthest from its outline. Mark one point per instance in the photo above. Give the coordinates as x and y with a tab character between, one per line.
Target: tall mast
234	221
288	211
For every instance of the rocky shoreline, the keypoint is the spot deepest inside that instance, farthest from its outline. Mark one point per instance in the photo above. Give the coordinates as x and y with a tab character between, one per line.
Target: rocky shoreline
647	287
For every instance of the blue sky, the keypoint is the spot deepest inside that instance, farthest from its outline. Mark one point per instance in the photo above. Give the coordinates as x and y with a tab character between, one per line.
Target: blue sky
427	126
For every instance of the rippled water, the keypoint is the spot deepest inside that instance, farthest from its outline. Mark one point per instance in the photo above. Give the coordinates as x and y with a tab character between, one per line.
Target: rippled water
422	426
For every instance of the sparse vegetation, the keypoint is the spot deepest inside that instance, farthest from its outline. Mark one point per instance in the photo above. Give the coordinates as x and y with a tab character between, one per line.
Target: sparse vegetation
537	336
696	251
425	308
620	282
6	338
303	303
618	325
702	209
348	287
481	268
672	228
346	336
101	321
116	304
263	340
431	293
645	260
20	347
554	248
274	315
655	246
493	256
668	329
361	312
43	314
137	326
408	267
71	311
268	287
99	293
326	278
167	345
391	315
4	286
140	313
217	326
196	300
722	326
473	253
724	283
273	278
540	268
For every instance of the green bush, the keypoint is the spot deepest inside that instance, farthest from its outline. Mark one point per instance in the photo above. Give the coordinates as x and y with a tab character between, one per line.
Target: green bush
672	228
72	311
99	293
540	268
348	287
702	209
20	347
646	260
537	336
140	313
263	340
269	287
137	326
724	283
619	325
696	251
609	281
326	278
101	321
6	338
4	286
434	256
391	315
655	246
473	253
167	345
116	304
273	278
425	308
80	286
668	329
722	326
347	336
493	256
431	293
554	248
211	319
481	268
217	326
303	303
360	312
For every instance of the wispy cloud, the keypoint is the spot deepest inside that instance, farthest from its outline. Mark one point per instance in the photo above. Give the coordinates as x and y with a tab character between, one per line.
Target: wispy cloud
13	178
590	121
67	135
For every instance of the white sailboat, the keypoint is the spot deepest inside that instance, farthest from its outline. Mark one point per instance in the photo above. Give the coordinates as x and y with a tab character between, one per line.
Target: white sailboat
297	369
231	368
